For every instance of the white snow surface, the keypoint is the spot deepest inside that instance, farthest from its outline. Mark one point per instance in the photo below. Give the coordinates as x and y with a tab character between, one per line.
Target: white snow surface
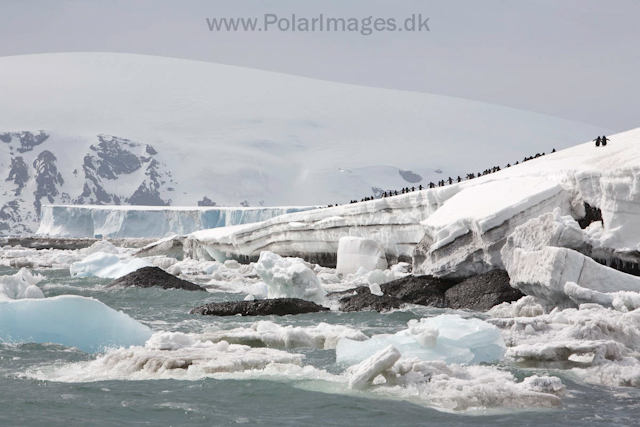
69	320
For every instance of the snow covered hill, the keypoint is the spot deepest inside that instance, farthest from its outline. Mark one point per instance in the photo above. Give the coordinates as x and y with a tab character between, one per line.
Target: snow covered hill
106	128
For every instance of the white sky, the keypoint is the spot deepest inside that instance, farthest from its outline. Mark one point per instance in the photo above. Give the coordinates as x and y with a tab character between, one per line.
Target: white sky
576	59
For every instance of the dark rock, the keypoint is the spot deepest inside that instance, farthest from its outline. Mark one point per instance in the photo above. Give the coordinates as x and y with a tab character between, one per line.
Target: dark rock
148	277
276	306
47	178
482	292
148	193
363	300
19	174
410	177
206	202
592	215
422	290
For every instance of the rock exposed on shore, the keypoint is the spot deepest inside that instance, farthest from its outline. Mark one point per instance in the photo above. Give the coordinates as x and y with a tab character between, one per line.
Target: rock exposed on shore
275	306
421	290
482	292
478	293
148	277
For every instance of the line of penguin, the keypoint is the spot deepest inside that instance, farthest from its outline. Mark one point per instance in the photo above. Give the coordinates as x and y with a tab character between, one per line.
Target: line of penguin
600	140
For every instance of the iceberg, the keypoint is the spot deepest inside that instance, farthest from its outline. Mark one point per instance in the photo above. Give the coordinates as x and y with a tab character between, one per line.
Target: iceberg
357	252
147	221
107	266
448	338
20	285
289	278
69	320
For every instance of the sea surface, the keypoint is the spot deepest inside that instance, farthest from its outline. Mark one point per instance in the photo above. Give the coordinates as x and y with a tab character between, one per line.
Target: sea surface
25	401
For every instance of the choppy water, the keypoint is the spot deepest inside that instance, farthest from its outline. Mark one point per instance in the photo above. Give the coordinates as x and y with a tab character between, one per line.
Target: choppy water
28	402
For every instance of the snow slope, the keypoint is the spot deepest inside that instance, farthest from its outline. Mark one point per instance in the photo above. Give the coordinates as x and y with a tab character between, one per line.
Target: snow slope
142	130
462	228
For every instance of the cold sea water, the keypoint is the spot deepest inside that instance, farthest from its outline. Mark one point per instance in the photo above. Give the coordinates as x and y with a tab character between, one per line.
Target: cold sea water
28	398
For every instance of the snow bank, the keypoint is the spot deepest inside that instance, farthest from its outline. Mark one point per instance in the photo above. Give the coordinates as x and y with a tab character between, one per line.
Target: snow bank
264	332
147	221
20	285
464	236
393	222
447	338
71	321
289	278
106	265
545	272
357	252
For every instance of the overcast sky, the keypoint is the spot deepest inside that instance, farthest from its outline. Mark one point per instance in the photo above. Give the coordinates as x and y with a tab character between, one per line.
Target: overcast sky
577	59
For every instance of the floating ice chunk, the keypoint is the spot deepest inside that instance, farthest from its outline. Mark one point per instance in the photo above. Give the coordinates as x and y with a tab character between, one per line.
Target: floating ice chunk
164	262
289	278
526	306
169	341
232	264
366	371
105	265
544	384
270	334
195	361
104	246
448	338
69	320
356	252
20	285
621	300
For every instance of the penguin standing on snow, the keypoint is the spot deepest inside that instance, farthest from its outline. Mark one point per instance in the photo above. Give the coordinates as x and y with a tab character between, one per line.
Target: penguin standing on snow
604	140
598	140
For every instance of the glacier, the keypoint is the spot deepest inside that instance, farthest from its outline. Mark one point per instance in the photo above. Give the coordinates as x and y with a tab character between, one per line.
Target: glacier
69	320
147	221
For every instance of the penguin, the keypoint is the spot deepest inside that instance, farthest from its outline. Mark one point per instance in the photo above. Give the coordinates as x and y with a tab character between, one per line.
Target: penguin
604	140
597	140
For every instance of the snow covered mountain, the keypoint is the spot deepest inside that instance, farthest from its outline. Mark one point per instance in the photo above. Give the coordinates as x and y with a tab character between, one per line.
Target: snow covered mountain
106	128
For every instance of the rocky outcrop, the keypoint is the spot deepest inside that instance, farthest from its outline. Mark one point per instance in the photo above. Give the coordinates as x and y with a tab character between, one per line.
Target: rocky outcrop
148	277
478	293
482	292
421	290
267	307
